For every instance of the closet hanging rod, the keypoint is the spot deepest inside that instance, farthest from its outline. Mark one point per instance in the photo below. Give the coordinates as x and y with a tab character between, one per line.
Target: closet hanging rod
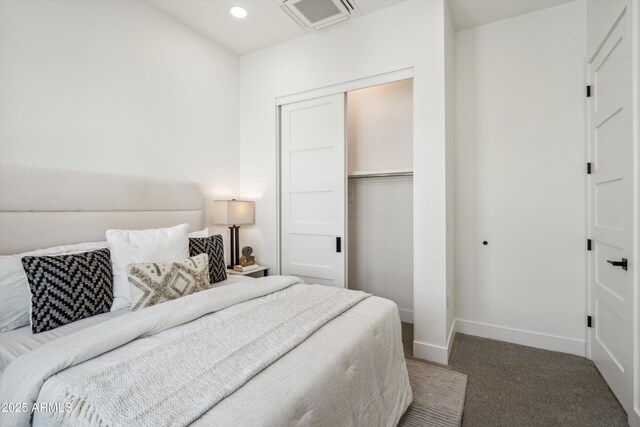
381	174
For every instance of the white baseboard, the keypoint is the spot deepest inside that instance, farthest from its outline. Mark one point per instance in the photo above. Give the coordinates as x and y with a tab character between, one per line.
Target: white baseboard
440	354
406	315
522	337
450	338
430	352
435	353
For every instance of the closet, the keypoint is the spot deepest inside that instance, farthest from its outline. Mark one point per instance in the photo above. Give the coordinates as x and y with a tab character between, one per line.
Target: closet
346	191
380	193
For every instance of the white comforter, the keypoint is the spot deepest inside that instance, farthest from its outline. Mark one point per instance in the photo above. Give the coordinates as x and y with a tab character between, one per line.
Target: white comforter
350	372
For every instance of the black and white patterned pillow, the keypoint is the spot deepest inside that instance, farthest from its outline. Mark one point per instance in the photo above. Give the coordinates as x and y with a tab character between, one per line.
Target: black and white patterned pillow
213	247
156	282
67	288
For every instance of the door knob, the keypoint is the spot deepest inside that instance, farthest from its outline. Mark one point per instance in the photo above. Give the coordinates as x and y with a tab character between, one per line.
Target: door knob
622	263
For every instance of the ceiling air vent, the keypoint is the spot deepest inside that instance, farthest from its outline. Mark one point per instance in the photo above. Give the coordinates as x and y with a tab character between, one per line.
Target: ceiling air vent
316	14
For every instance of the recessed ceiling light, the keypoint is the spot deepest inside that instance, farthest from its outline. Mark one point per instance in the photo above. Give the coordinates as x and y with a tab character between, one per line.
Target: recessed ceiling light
239	12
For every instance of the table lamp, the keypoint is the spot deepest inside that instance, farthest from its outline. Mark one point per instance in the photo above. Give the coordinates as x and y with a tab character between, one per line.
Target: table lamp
233	213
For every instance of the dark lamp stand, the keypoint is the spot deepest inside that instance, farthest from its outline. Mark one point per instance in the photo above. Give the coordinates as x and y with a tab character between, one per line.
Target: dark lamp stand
233	213
234	249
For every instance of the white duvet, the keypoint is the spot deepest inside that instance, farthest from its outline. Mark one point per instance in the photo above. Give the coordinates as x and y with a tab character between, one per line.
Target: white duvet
349	372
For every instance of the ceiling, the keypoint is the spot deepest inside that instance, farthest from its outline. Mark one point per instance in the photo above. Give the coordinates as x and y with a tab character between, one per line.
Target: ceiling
267	24
472	13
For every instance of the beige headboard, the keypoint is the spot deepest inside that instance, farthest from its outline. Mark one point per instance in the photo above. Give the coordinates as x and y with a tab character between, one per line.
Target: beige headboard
40	208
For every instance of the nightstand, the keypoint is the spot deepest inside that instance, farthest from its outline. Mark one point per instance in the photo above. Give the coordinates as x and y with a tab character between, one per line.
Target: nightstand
258	272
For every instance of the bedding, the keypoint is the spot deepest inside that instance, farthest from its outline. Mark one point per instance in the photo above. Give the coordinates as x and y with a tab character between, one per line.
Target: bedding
213	246
156	282
350	371
14	287
198	234
136	246
17	342
210	360
20	341
66	288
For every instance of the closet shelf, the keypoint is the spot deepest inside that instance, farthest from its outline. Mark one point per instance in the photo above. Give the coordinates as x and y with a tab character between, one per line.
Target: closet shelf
381	173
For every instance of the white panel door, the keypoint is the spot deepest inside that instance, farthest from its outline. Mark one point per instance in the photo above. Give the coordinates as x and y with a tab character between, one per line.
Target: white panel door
313	182
611	211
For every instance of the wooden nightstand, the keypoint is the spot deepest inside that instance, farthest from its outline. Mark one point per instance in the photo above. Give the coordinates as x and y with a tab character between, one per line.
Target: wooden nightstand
259	272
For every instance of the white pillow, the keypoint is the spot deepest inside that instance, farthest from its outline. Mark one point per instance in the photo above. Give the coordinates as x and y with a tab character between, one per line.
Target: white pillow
15	297
202	233
138	246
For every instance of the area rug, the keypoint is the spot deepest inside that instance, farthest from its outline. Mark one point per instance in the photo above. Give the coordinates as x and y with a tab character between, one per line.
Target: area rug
438	396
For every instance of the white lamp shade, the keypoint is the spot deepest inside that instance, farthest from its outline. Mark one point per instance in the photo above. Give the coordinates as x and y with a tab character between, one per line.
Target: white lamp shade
233	212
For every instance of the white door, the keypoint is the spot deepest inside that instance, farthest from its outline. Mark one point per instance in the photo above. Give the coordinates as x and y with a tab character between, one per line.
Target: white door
611	210
313	182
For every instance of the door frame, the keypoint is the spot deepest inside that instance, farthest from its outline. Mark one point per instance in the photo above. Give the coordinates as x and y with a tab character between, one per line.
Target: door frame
634	414
344	87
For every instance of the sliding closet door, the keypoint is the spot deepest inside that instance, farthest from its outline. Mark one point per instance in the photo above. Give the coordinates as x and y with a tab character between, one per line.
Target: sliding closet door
313	181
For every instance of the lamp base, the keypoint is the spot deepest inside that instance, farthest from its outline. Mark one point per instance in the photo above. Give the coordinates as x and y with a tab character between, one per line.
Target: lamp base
234	248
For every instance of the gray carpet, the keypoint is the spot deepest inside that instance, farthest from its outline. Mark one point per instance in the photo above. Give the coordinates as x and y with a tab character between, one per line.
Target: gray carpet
513	385
438	396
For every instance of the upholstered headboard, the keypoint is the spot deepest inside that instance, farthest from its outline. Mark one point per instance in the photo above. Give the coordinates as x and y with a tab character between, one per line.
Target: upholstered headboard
40	208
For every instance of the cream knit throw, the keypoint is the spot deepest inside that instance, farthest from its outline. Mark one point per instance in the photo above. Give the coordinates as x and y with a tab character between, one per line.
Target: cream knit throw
176	382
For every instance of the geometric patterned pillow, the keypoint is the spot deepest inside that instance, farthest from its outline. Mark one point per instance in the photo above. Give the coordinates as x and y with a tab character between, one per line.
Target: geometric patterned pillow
213	247
66	288
156	282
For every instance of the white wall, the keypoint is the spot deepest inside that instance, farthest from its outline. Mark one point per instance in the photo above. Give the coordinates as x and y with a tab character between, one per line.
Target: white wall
380	127
520	179
409	34
380	243
634	416
449	78
116	86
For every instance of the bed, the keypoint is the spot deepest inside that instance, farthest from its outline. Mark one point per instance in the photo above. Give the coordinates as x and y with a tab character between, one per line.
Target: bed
20	341
339	361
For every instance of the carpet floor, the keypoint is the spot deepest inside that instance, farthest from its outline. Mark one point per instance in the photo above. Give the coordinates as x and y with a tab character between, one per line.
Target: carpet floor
513	385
